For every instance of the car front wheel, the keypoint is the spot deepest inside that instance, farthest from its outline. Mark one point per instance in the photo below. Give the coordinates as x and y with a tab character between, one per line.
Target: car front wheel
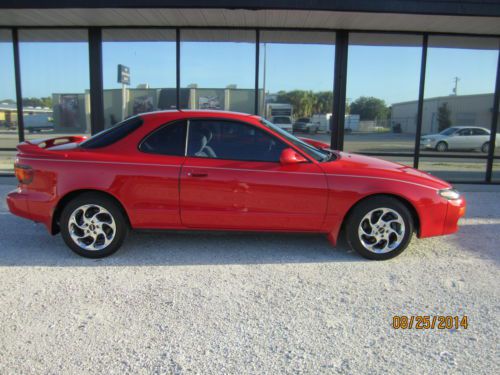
442	147
379	228
93	225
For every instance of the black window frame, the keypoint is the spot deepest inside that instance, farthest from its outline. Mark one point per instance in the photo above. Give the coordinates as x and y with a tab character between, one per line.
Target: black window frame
244	123
161	127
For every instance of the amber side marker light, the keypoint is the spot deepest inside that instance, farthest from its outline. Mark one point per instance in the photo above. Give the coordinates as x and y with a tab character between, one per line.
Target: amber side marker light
24	173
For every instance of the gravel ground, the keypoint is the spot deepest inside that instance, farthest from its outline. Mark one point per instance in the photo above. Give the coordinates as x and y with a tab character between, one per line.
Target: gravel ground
232	303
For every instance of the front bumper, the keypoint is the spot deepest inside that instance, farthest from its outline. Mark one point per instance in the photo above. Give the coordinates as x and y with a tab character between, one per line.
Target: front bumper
427	144
455	210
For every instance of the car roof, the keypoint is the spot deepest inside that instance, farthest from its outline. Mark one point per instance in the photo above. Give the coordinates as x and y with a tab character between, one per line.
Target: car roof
198	112
468	127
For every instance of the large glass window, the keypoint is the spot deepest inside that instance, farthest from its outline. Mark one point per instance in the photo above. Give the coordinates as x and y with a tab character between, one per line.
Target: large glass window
459	87
296	80
8	109
149	55
454	169
218	70
219	139
55	82
383	76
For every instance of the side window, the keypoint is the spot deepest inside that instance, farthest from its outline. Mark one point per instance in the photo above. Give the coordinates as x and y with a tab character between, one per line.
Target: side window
464	132
479	132
168	139
230	140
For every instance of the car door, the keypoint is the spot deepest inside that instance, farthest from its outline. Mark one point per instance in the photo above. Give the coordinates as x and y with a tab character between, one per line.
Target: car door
462	139
480	137
232	179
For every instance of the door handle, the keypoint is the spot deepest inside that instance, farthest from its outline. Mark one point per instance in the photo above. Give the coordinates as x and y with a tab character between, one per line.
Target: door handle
191	174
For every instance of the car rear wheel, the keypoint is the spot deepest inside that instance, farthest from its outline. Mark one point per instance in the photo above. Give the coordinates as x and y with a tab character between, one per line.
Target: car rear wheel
379	228
93	225
442	147
485	147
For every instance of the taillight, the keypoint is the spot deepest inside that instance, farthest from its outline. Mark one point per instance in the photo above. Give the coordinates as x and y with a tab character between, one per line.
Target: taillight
24	173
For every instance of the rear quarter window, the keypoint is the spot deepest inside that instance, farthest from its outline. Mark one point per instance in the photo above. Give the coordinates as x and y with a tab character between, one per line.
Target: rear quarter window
168	139
112	135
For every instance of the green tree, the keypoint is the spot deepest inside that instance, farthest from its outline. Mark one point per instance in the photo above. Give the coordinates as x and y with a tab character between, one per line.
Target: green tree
369	108
443	117
8	101
38	102
306	103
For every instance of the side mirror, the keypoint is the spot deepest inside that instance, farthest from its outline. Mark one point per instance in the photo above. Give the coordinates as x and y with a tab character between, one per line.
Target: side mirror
290	156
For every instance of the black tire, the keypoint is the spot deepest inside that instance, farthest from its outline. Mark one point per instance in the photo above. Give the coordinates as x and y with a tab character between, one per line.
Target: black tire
485	147
354	221
442	146
119	217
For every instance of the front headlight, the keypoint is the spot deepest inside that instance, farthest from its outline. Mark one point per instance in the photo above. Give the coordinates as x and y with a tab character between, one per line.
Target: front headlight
450	194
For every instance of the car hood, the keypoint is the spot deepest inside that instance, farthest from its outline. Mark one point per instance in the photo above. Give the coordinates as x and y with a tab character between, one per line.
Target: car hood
361	165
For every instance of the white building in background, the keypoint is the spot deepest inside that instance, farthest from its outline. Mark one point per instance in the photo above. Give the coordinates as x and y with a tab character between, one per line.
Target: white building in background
465	110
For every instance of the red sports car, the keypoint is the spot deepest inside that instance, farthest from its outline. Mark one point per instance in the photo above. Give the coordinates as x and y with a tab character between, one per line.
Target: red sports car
223	171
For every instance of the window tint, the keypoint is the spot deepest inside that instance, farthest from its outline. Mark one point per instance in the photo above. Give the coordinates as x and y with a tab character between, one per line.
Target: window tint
281	120
465	132
167	140
479	132
114	134
232	141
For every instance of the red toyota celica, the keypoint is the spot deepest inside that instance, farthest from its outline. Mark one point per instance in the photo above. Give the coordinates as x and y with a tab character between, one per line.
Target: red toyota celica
223	171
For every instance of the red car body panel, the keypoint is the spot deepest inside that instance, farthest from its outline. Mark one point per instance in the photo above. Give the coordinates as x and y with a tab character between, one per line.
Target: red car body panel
177	192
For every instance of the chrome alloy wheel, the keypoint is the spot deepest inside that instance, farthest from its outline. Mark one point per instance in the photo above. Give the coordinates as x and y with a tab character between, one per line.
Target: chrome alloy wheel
381	230
92	227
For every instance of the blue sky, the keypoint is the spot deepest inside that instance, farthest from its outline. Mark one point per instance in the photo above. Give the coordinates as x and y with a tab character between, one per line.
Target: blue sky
390	73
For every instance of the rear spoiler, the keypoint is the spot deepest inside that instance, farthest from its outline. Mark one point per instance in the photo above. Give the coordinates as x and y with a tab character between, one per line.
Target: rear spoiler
47	143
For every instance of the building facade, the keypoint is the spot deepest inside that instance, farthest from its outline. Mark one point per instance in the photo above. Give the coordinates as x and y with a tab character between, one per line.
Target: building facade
83	66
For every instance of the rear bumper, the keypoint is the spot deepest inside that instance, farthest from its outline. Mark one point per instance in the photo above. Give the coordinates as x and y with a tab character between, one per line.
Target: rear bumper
455	210
18	204
30	205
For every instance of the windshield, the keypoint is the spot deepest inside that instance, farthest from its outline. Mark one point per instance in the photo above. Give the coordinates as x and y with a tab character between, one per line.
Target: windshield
448	131
281	120
316	153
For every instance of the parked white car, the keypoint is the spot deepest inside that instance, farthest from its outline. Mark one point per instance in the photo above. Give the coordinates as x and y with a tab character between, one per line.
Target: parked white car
459	138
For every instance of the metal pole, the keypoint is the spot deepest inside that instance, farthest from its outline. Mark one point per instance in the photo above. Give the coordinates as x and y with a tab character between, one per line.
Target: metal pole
339	90
178	68
96	85
124	102
19	95
264	71
494	125
257	58
420	105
